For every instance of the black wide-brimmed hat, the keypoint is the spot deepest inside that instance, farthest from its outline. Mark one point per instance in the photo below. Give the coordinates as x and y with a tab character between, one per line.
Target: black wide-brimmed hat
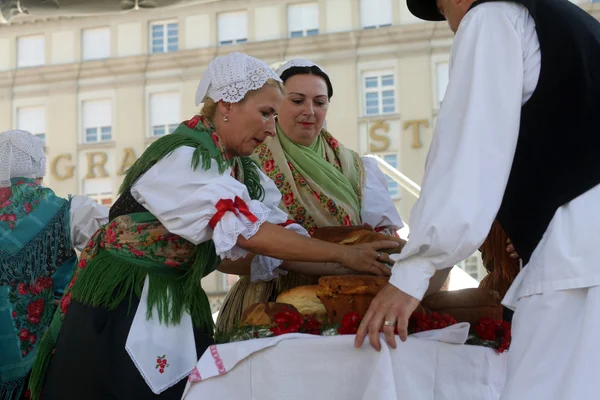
425	9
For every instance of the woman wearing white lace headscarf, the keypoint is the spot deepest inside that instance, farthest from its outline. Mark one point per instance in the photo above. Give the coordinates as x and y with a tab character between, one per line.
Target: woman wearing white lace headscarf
322	183
38	234
135	318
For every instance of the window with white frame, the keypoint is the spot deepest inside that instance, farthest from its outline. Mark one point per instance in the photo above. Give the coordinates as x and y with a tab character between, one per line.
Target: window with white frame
97	121
393	187
165	113
32	120
379	93
31	51
99	190
442	75
164	37
95	43
303	19
375	13
233	28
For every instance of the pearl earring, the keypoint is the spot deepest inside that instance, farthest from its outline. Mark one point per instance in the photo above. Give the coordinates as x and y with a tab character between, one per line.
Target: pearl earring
225	118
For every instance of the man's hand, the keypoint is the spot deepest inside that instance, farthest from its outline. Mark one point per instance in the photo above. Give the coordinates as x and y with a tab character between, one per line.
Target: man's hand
392	306
510	249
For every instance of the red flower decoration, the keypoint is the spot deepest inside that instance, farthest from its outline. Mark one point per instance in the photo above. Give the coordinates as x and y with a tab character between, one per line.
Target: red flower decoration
161	363
288	198
286	322
22	289
311	326
171	263
64	303
350	323
82	264
193	122
14	314
494	331
110	236
36	308
347	220
333	143
420	322
24	334
32	339
27	208
268	166
216	140
40	285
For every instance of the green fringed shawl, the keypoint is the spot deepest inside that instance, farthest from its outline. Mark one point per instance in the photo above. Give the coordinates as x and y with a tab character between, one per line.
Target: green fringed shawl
105	278
171	290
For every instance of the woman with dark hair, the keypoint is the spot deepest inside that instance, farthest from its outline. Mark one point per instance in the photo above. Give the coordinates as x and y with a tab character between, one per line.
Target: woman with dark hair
322	184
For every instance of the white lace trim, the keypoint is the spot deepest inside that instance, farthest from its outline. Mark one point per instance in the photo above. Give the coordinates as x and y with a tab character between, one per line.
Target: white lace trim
264	268
230	77
232	225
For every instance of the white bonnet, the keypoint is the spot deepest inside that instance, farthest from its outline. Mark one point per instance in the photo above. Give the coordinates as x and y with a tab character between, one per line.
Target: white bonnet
21	156
230	77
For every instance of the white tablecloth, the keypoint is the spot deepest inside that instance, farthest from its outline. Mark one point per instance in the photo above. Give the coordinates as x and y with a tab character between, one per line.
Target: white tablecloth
325	368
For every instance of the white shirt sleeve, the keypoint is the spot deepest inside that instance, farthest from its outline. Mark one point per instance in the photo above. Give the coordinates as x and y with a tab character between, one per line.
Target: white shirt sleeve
378	209
86	218
185	201
264	268
471	155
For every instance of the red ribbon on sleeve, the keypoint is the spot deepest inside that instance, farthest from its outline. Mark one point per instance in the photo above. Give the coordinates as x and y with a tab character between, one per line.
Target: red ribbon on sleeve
287	223
235	206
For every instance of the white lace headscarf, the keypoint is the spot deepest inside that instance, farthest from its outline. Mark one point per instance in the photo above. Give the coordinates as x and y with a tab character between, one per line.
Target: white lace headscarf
21	156
230	77
298	62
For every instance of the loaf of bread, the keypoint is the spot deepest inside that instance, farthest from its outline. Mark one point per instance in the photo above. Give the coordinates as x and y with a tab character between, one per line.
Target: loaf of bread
349	293
349	235
260	314
466	305
305	299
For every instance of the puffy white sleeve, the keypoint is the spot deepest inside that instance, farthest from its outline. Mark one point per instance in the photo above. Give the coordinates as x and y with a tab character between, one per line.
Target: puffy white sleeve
264	268
473	146
86	217
378	209
200	205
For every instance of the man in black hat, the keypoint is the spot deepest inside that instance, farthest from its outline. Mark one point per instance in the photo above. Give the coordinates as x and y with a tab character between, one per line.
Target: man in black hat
517	140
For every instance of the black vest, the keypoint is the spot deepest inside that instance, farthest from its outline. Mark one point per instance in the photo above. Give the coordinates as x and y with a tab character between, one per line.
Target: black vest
558	151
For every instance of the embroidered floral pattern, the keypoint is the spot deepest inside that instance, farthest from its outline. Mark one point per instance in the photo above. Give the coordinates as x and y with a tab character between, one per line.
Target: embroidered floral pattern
145	240
292	204
11	212
33	306
161	363
150	241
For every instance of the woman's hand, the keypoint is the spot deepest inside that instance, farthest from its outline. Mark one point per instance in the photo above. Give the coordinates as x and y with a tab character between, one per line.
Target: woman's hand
367	258
510	249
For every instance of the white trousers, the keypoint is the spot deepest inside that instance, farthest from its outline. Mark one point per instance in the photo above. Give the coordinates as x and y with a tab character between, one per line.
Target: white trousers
555	349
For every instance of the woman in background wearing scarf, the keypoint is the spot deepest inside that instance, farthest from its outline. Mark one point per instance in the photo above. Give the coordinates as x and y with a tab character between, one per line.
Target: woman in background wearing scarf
38	234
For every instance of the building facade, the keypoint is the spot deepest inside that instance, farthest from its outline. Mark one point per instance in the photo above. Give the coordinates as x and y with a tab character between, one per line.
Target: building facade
100	89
